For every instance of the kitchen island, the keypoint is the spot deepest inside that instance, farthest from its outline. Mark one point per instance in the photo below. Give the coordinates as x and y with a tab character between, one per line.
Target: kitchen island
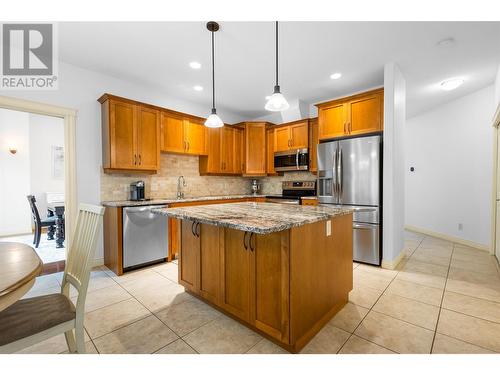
282	270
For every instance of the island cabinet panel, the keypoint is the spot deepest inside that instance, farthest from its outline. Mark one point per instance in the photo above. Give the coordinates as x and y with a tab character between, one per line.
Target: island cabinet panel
235	277
319	284
209	258
269	305
189	257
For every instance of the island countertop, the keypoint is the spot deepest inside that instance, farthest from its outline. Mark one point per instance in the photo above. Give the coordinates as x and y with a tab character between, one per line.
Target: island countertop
260	218
167	201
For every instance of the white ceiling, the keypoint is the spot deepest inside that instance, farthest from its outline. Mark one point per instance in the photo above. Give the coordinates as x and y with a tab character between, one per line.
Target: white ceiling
157	54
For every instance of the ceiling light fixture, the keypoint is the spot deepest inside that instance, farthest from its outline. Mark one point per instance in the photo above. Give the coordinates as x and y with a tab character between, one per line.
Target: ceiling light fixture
277	101
336	75
451	84
213	121
194	65
268	97
197	88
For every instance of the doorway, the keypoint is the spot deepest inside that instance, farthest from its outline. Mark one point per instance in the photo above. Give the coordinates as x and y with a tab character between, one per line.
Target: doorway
37	169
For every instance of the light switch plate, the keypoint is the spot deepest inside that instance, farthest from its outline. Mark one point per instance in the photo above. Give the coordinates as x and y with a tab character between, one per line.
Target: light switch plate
328	228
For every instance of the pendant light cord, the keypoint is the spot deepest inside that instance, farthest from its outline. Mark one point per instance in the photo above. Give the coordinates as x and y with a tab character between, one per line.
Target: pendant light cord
213	73
277	53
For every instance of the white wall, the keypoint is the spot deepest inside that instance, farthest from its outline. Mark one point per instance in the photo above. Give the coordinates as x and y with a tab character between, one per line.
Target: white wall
45	132
497	87
79	89
15	214
451	150
393	179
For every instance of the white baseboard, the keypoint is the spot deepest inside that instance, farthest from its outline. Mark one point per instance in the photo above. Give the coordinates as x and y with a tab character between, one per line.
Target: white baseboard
447	237
392	264
98	262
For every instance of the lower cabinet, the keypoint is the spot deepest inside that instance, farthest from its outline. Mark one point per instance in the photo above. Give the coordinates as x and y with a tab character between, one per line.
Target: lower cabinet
245	274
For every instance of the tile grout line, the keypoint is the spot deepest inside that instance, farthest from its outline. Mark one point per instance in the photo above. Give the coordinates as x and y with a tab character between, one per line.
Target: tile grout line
369	310
442	299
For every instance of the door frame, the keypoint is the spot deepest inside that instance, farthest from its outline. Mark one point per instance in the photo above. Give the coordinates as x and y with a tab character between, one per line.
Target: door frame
496	130
69	117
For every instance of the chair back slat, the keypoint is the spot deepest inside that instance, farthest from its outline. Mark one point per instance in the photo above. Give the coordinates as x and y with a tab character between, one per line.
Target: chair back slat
82	250
34	209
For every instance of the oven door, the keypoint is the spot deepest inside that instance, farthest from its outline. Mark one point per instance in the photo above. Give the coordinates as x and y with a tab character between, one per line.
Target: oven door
294	160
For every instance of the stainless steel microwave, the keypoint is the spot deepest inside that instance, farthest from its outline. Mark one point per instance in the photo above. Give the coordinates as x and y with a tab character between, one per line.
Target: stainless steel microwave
291	160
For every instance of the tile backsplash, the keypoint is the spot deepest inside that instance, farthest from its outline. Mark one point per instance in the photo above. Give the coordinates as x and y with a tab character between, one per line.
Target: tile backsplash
115	187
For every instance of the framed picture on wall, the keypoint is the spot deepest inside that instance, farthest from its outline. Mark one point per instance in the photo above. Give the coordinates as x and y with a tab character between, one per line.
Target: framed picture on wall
58	162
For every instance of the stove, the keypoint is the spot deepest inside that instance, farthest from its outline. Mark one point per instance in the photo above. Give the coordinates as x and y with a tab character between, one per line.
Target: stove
292	191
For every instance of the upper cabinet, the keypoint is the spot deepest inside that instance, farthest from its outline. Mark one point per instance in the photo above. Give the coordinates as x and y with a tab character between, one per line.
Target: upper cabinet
290	136
183	135
255	152
270	151
130	135
224	151
354	115
313	144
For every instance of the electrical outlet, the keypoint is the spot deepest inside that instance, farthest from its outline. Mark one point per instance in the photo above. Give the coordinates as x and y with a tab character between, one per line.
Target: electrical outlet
460	226
328	228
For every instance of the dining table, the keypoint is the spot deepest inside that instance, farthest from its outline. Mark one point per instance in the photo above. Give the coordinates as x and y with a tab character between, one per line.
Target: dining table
19	267
57	209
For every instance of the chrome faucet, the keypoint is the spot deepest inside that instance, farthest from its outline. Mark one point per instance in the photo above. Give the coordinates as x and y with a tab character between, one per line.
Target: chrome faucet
180	193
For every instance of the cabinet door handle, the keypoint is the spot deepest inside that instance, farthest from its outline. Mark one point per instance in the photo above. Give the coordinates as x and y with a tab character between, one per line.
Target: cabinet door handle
140	159
250	242
192	228
245	240
187	146
135	159
350	127
345	127
197	230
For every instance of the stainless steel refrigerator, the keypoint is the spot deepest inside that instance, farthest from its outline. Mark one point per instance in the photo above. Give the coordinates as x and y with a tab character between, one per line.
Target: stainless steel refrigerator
350	175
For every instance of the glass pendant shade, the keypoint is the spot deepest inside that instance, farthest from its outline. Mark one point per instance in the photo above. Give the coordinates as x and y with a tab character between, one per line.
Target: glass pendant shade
214	121
277	103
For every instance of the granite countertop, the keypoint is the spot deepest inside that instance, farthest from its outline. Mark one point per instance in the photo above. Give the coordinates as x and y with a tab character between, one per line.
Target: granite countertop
261	218
174	200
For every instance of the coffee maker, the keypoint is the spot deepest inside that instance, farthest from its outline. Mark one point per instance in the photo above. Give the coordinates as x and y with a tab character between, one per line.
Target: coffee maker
137	191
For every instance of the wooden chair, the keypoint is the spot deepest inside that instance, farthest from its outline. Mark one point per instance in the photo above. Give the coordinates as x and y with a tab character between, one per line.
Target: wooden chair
49	221
32	320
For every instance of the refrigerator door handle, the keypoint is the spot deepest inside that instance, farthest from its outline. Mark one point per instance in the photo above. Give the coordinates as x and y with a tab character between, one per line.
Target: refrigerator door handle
297	159
339	175
334	175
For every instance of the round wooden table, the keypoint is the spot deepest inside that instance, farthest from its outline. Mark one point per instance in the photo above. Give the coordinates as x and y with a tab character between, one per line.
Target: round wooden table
19	266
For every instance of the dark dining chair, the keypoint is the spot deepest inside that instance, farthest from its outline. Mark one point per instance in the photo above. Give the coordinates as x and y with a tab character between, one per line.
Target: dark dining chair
49	221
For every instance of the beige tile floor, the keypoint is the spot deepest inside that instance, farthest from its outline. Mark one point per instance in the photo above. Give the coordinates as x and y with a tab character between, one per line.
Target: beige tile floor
443	298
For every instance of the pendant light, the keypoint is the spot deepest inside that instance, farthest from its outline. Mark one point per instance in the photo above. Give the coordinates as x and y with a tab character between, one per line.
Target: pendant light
213	121
277	101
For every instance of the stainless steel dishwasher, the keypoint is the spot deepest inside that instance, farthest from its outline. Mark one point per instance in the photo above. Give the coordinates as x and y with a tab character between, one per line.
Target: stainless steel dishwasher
145	236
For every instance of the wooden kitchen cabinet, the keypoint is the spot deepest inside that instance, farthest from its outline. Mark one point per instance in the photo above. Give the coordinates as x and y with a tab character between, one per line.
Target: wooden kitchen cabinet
189	257
183	135
366	113
269	283
313	145
130	135
355	115
255	154
270	152
235	273
224	152
291	136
